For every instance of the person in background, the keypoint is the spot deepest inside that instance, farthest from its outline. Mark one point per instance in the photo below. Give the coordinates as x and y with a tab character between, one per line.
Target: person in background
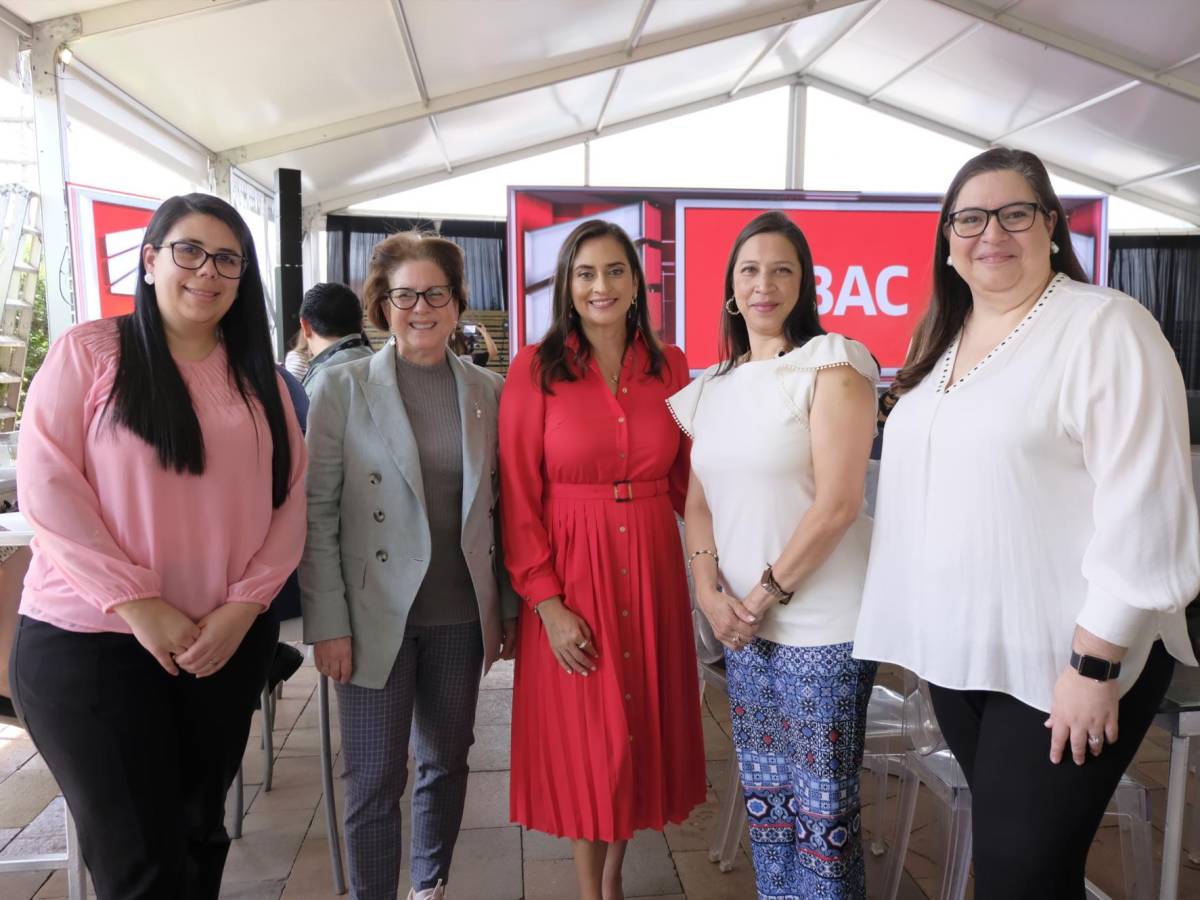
1036	535
331	323
781	431
296	360
606	727
404	592
161	469
472	343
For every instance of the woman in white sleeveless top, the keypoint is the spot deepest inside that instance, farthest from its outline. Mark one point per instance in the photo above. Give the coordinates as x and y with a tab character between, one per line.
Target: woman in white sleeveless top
781	433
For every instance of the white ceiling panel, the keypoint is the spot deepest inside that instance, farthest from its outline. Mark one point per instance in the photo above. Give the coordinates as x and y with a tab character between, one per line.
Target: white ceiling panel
805	39
1141	132
898	34
238	75
1154	33
682	77
523	120
993	82
354	164
1183	190
669	18
516	37
40	10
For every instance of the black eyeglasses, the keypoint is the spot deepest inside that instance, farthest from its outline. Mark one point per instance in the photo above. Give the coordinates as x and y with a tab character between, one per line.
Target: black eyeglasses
1013	217
406	298
190	256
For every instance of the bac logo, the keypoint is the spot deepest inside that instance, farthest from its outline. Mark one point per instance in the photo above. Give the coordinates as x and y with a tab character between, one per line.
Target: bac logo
855	292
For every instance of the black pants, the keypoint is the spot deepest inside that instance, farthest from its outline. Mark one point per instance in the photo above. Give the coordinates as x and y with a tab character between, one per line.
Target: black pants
1034	821
144	759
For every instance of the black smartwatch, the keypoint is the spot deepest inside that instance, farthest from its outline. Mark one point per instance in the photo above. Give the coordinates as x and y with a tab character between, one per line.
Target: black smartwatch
1094	667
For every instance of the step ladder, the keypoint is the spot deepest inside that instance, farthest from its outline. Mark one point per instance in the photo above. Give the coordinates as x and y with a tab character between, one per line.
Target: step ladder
20	260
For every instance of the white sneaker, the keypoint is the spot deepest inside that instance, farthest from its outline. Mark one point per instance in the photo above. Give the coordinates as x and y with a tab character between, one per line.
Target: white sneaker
437	892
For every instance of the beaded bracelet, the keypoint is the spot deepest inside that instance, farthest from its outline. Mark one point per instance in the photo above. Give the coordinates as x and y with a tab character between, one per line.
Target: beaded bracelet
692	556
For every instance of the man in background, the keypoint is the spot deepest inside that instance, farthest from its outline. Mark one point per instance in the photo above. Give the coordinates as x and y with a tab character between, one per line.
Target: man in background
331	321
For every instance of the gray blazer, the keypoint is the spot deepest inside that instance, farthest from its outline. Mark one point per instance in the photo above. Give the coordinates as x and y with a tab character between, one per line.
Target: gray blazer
368	541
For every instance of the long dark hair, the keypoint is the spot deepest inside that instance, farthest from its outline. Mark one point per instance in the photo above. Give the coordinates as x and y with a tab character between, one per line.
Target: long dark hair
950	300
555	361
802	322
149	395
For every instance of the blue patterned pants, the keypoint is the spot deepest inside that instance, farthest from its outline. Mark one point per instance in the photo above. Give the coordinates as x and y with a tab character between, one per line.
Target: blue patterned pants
799	717
432	691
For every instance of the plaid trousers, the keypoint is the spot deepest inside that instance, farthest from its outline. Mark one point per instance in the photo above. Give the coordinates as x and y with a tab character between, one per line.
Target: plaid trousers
431	692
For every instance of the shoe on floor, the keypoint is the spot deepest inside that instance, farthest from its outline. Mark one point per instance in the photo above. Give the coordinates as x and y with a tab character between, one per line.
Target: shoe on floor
437	892
286	661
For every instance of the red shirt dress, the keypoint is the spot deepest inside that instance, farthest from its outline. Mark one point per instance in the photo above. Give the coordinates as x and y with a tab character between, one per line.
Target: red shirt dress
601	756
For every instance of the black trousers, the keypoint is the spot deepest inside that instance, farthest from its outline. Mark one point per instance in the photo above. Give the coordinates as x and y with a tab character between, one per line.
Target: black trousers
1034	821
144	759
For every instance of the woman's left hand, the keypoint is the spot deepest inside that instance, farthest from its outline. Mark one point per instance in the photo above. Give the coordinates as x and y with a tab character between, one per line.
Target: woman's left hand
221	633
1082	708
758	601
508	638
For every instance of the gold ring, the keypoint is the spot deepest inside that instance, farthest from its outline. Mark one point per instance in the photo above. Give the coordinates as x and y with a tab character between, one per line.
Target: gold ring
582	644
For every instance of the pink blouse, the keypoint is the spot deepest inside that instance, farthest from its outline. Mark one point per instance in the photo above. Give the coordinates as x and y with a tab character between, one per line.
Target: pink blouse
111	524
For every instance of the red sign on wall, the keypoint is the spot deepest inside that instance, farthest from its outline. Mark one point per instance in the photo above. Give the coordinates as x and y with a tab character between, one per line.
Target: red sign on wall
871	266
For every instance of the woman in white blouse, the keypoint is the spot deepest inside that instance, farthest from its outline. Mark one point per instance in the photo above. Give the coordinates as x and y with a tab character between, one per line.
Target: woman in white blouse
1035	529
781	433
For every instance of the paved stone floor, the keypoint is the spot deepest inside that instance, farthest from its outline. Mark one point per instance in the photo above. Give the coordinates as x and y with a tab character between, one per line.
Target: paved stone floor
283	853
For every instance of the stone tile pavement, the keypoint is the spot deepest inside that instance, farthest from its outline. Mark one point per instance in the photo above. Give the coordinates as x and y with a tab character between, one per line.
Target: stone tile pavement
284	854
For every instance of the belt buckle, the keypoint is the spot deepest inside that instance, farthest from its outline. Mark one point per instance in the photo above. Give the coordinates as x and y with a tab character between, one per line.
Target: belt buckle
617	496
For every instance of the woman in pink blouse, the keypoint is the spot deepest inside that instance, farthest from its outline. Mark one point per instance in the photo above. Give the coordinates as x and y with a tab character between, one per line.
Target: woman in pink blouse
160	461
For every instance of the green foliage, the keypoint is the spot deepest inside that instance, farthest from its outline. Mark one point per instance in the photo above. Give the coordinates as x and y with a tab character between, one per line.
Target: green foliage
39	335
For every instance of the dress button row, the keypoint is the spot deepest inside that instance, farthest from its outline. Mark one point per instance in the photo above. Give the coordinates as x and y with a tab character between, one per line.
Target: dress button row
379	516
381	555
374	478
626	654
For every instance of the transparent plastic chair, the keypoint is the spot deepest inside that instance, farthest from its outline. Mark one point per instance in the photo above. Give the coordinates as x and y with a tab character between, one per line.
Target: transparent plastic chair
931	763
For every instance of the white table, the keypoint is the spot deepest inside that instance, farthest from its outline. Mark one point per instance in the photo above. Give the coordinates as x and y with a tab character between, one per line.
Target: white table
15	530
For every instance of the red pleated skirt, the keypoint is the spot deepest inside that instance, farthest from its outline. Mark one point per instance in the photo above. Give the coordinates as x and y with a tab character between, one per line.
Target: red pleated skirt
602	756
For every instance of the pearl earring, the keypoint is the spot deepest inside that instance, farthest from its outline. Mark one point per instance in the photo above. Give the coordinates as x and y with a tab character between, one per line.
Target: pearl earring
148	278
1053	248
949	260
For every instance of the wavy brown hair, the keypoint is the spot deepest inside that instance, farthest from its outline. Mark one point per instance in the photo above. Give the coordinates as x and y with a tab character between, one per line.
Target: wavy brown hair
407	246
950	301
556	361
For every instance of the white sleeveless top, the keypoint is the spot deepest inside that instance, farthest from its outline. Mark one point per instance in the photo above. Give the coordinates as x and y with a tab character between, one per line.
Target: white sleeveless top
752	453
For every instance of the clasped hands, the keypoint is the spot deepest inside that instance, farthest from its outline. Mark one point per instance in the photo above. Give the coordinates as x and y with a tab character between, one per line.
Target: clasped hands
734	622
201	648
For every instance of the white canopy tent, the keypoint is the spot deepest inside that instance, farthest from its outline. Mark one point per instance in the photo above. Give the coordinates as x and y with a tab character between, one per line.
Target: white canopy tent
371	97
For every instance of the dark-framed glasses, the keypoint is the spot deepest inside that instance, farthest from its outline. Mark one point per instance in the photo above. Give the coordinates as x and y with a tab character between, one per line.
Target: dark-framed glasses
192	256
406	298
1013	217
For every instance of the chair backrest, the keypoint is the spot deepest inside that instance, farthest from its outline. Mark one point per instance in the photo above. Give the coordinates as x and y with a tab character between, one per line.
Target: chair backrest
708	649
920	724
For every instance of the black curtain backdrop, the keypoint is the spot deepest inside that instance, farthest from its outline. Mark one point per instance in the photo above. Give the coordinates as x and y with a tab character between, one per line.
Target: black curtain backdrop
1163	273
351	238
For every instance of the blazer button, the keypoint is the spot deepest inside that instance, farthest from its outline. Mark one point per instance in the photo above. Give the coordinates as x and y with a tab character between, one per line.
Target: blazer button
374	478
381	555
379	516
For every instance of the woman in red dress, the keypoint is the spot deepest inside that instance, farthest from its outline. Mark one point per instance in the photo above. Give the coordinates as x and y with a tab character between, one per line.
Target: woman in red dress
606	733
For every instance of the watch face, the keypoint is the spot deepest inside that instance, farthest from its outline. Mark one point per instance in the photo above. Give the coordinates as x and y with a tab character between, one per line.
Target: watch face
1092	667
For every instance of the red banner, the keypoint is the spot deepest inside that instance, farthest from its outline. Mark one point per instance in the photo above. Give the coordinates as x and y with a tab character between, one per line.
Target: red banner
872	269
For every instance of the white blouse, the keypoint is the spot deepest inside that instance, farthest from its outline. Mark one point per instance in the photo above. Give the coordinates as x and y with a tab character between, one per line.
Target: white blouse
752	453
1049	486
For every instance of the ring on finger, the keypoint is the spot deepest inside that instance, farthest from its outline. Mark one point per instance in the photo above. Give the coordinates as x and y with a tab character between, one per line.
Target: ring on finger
583	644
1095	740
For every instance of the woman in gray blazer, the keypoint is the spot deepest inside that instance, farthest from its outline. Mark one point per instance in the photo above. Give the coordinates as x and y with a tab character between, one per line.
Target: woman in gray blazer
404	597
